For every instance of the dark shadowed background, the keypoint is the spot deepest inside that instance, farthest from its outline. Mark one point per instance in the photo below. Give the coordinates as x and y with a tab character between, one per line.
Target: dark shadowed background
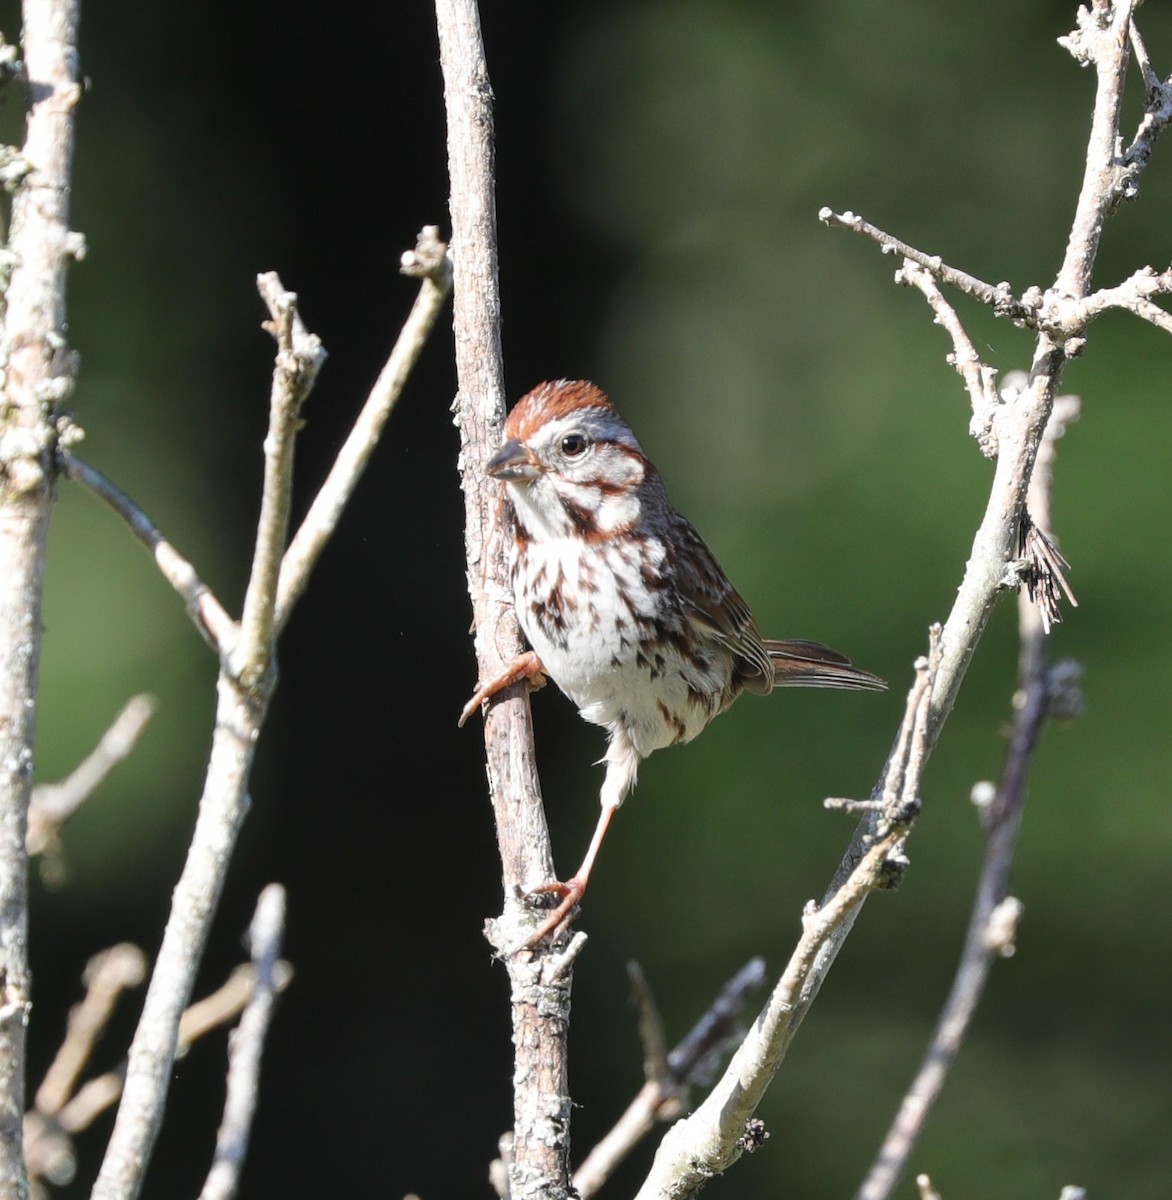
660	168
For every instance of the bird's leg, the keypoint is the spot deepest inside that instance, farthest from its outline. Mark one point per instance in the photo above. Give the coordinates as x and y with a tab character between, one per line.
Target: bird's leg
622	766
572	891
525	666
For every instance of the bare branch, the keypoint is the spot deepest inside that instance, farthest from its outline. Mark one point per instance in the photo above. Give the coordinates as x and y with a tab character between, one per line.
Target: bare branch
1157	116
1101	40
979	378
664	1095
995	913
428	262
300	356
245	1045
225	1003
718	1132
48	1147
218	629
244	690
38	371
59	1115
999	297
1134	295
222	808
54	803
107	976
538	1166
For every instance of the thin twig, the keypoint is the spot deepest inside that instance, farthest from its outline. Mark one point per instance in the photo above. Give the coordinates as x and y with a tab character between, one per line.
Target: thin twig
54	803
218	629
980	379
300	356
428	262
107	976
59	1115
999	297
668	1076
245	1046
48	1147
1100	39
244	689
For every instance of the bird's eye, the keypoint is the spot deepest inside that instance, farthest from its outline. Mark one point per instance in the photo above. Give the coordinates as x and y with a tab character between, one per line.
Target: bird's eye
574	445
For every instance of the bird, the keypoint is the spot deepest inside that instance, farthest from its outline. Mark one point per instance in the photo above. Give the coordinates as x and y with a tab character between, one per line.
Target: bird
622	603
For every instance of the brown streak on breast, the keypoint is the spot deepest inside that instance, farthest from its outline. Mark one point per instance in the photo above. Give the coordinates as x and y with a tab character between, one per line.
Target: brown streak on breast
676	723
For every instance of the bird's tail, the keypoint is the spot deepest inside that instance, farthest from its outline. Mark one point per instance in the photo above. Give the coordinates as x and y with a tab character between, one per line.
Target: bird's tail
799	663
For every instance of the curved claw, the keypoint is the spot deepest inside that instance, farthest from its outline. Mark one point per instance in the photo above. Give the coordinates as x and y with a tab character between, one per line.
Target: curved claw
571	893
525	666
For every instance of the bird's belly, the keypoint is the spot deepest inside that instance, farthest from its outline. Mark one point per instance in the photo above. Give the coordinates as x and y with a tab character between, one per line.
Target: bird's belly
604	643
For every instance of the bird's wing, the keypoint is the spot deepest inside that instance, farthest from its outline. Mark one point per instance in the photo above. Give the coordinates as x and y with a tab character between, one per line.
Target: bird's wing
714	608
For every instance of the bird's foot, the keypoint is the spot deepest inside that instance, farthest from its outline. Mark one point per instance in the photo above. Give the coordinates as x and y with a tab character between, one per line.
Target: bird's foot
525	666
569	896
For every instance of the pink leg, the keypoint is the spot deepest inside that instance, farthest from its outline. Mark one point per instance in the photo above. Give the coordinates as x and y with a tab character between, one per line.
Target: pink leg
574	888
524	666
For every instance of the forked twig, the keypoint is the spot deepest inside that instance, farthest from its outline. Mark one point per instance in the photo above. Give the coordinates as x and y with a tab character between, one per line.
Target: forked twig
999	296
244	689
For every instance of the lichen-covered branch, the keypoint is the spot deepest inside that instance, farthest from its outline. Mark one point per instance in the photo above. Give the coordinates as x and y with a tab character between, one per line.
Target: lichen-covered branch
37	375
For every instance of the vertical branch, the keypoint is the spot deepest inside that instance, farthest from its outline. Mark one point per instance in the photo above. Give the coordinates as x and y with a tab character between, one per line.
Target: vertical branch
540	989
37	375
299	358
1101	38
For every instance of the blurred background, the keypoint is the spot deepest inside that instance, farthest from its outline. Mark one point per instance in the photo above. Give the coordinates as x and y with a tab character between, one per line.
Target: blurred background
660	170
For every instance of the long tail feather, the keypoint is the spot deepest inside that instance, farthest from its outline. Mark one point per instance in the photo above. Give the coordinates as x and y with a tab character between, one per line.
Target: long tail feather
799	663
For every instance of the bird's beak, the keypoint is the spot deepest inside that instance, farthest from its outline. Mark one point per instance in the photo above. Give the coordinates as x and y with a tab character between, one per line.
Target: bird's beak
513	461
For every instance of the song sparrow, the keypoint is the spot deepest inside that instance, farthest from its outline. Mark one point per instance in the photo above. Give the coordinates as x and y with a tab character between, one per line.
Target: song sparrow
623	604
